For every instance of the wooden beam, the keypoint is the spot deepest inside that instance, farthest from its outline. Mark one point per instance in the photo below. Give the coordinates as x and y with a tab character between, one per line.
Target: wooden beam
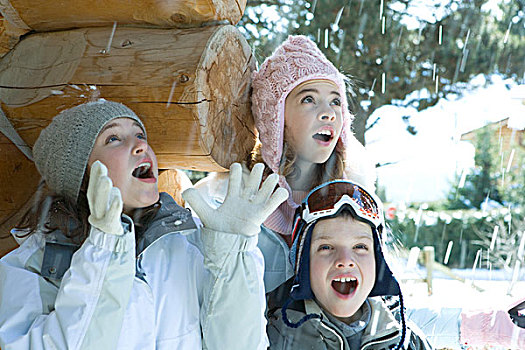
44	15
9	36
19	179
174	182
7	244
190	87
428	253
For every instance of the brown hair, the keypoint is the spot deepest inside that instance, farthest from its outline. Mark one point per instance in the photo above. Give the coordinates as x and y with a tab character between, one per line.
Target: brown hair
51	212
332	169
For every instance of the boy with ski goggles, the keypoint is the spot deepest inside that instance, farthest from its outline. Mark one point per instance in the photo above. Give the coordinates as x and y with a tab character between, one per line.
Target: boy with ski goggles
339	268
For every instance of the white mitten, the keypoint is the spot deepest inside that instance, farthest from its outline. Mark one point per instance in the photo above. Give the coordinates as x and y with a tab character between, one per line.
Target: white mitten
244	208
105	201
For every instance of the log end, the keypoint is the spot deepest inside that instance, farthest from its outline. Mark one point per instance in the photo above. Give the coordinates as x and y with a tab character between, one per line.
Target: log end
225	76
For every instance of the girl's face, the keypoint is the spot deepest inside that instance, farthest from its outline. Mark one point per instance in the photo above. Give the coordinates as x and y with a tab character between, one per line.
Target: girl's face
131	163
342	265
313	120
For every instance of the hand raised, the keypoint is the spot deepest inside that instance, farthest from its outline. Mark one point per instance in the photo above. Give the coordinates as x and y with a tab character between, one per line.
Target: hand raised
245	207
105	201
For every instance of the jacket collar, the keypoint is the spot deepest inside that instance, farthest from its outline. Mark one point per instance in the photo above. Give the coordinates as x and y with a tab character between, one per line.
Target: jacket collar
170	217
326	328
388	331
58	249
311	307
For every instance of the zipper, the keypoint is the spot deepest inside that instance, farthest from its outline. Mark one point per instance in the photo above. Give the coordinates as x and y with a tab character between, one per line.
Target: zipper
335	332
374	342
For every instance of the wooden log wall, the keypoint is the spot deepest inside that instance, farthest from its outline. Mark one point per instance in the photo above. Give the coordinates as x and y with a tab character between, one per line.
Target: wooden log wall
175	63
190	87
9	36
21	16
174	182
45	15
18	180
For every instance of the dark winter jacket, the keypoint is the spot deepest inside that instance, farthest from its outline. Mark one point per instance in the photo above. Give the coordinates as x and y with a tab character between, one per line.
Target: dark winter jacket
320	333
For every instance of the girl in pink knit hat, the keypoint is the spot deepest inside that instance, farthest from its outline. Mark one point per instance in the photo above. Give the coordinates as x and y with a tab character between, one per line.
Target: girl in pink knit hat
301	113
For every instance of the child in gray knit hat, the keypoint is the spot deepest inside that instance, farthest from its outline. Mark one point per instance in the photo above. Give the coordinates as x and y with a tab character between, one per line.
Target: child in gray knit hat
106	263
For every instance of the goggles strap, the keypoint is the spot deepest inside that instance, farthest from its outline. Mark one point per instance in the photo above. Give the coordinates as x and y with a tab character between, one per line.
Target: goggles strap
300	247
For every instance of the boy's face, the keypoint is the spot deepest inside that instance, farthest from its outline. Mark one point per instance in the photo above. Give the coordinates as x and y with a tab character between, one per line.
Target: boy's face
342	265
122	147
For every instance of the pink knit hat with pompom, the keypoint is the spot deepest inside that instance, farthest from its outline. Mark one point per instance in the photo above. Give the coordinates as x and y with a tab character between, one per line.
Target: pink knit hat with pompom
295	61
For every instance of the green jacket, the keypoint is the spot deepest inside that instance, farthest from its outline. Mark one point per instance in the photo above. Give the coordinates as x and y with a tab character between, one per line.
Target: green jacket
320	333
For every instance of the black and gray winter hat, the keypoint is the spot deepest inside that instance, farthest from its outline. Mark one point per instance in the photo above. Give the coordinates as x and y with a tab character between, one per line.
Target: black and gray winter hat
327	201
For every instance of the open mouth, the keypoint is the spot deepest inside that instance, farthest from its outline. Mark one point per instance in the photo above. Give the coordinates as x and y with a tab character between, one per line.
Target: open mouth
323	135
143	171
344	285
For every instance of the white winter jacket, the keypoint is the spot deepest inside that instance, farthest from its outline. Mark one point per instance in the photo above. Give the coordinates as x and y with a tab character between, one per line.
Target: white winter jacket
162	294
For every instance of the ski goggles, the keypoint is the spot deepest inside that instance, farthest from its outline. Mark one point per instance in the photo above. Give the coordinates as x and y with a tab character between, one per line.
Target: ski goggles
327	199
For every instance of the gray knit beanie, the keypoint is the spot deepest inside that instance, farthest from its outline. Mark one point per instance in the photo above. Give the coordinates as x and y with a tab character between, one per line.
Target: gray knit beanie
62	150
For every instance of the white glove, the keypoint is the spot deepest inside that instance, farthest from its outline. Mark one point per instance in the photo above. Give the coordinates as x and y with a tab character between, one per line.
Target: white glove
105	201
245	208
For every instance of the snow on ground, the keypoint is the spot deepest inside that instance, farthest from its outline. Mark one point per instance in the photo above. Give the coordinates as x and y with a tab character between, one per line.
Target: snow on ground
448	293
439	314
